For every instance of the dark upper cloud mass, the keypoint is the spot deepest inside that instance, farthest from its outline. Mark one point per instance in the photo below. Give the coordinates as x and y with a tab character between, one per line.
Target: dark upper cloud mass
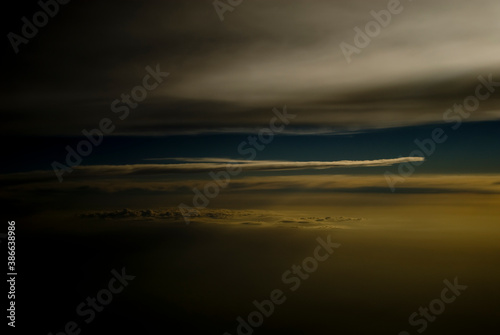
226	76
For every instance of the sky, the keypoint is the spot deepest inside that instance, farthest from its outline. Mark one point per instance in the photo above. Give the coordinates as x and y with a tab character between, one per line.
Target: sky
199	137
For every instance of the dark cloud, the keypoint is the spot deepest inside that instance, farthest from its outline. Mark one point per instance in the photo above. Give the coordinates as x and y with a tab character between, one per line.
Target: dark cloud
223	216
273	185
227	76
113	171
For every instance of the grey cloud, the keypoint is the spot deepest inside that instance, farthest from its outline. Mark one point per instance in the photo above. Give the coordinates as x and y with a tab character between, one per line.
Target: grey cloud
98	171
226	76
225	216
324	183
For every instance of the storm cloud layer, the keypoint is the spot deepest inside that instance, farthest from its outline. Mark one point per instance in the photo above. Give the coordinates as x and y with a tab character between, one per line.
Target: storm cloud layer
227	76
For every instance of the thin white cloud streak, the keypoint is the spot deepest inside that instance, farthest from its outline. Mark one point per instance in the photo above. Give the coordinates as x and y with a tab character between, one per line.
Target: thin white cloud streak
202	164
216	164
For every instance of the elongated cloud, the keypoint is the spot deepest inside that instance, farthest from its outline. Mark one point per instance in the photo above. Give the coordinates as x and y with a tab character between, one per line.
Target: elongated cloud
197	165
318	183
207	165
